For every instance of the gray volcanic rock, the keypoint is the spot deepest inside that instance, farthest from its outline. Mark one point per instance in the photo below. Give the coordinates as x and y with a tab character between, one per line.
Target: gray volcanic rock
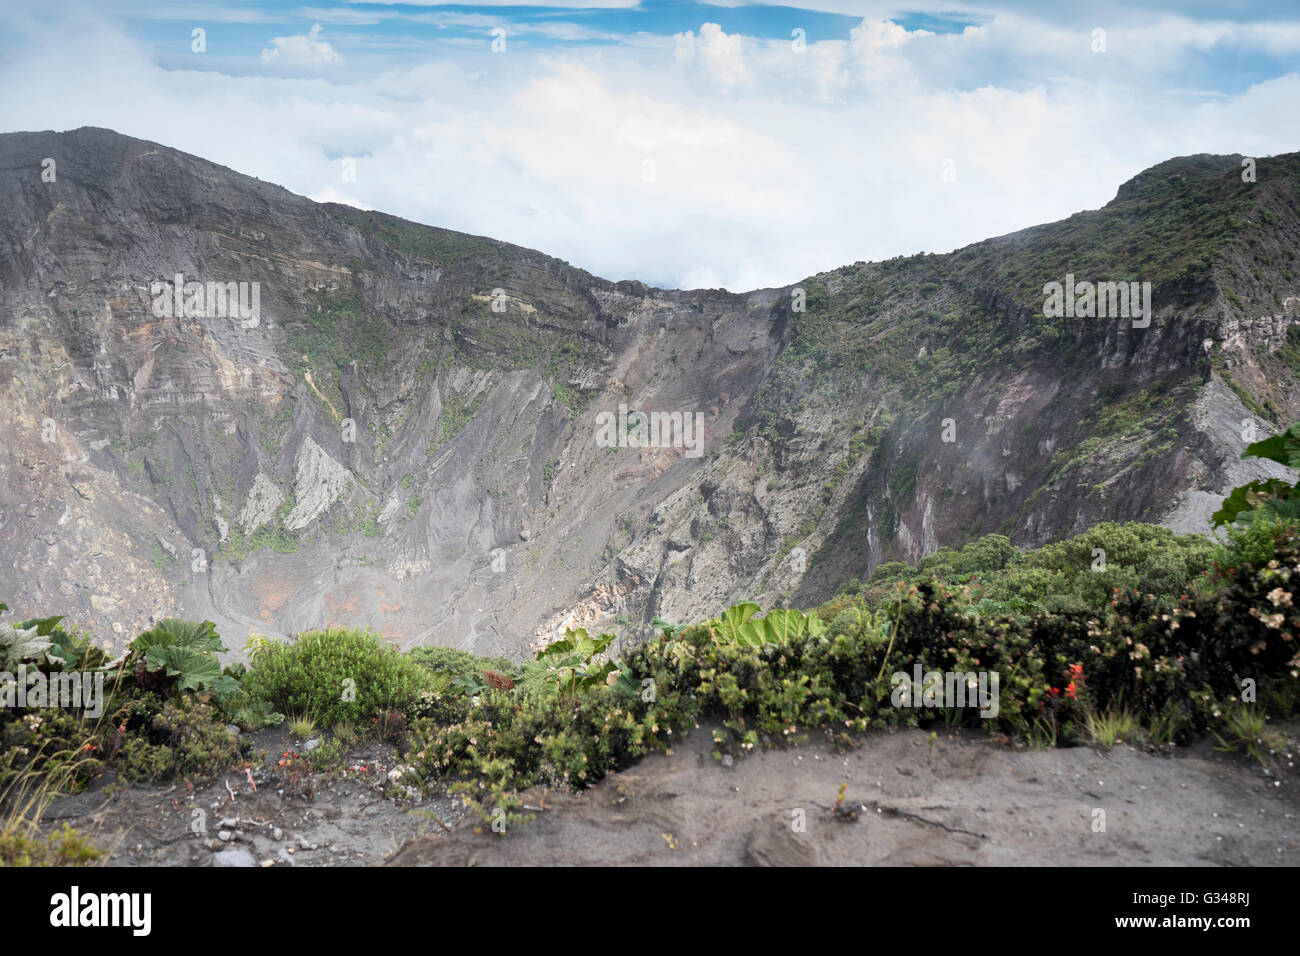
407	435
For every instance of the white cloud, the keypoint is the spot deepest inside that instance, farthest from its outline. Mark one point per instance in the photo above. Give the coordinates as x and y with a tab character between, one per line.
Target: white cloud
330	194
721	55
871	36
302	51
768	165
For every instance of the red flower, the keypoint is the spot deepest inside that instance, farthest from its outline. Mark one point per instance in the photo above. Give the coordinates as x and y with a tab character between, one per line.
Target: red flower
1072	691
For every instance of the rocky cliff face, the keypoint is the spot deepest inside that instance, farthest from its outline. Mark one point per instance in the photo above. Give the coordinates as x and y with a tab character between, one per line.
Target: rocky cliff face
346	418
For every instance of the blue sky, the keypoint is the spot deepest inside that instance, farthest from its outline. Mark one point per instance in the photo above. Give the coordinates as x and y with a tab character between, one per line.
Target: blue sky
421	28
685	144
376	35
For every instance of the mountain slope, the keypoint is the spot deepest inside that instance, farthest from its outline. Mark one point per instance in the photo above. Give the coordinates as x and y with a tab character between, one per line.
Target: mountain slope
407	435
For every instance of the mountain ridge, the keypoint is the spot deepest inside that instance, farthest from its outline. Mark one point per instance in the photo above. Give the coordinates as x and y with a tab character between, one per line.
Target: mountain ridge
472	369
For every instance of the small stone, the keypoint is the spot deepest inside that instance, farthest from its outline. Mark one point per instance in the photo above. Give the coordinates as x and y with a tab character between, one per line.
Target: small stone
233	858
277	833
232	729
726	760
224	836
311	744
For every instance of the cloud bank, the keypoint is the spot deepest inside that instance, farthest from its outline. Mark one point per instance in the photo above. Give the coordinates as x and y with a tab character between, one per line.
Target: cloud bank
703	158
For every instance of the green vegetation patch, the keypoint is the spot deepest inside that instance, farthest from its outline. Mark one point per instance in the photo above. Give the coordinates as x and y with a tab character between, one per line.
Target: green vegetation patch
440	246
337	674
335	330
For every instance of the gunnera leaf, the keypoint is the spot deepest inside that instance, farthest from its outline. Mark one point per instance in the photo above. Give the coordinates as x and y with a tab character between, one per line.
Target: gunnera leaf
22	644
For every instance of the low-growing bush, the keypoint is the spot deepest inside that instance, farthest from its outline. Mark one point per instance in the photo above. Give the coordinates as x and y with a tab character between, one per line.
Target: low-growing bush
336	674
1079	573
1250	542
62	847
458	663
187	739
61	745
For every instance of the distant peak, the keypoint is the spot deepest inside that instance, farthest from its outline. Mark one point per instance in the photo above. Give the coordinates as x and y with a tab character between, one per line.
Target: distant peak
1178	170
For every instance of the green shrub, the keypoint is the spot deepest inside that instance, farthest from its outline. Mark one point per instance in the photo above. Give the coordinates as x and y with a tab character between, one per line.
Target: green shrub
337	674
1251	542
458	663
1143	557
64	847
1077	574
187	739
989	553
59	744
456	677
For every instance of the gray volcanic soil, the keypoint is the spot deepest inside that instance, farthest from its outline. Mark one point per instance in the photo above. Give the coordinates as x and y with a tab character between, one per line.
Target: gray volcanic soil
966	800
344	819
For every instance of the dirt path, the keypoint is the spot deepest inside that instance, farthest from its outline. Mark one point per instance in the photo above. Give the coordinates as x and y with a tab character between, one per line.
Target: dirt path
966	801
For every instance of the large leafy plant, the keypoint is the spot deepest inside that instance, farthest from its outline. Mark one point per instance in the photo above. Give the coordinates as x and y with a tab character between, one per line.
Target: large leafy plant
42	642
574	654
1271	497
737	625
185	651
20	644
